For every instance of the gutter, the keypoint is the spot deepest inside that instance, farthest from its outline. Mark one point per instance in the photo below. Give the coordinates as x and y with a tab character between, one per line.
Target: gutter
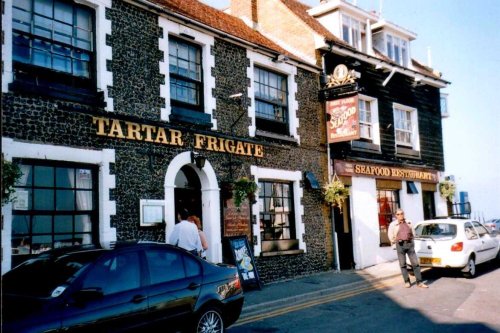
380	63
182	19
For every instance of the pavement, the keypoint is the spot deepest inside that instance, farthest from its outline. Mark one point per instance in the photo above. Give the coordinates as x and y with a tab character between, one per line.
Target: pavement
286	293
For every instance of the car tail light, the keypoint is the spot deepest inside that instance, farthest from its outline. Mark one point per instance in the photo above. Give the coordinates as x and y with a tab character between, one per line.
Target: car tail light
230	288
457	247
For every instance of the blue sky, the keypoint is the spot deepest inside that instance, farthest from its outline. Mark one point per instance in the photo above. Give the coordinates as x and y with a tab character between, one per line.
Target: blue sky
464	39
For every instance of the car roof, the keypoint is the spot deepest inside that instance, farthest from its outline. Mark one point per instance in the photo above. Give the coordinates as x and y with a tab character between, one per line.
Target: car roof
447	220
96	250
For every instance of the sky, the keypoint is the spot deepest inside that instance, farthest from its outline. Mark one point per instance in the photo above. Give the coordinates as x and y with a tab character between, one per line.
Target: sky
464	41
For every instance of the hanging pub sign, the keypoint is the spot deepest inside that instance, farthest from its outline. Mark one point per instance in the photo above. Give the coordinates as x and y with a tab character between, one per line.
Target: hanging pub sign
343	119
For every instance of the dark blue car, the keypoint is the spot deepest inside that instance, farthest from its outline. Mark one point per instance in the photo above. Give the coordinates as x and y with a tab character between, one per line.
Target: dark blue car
133	287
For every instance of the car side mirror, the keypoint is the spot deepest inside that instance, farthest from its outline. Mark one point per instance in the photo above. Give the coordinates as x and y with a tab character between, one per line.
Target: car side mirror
86	295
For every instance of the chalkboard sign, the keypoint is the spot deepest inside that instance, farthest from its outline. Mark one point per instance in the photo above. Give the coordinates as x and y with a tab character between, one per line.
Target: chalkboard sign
243	260
237	219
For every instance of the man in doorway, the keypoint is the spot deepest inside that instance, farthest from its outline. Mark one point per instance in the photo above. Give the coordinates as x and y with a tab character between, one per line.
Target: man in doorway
185	234
401	236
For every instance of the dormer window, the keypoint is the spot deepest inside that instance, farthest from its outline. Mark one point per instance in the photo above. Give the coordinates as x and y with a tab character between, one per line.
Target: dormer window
397	50
351	31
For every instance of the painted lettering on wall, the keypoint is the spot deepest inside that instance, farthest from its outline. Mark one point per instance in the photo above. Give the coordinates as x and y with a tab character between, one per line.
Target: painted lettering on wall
118	129
344	168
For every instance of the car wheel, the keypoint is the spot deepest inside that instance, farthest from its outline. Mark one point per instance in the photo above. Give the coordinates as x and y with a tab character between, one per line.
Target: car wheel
470	268
209	320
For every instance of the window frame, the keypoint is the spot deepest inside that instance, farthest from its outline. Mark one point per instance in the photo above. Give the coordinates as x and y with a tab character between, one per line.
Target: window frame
397	49
178	104
276	200
354	31
294	178
282	125
32	212
45	80
410	129
385	218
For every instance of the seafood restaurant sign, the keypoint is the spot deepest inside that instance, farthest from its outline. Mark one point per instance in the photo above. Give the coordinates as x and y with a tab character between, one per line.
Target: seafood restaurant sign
343	168
343	119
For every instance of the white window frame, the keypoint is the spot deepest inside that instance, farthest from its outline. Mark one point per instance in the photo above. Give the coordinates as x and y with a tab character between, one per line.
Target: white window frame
103	52
355	28
411	128
206	42
374	124
394	43
295	178
262	61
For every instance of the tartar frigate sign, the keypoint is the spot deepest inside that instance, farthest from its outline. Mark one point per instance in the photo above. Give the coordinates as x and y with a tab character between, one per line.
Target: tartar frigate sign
119	129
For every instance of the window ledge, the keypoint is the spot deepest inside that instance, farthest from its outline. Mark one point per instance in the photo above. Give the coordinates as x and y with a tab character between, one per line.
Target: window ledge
407	152
281	253
365	146
276	136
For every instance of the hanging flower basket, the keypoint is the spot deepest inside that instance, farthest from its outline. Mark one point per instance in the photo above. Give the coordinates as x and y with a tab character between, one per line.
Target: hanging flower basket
335	192
447	190
244	188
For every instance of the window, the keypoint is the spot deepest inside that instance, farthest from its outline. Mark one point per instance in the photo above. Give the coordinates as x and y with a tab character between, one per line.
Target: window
116	274
397	50
271	101
53	45
186	82
388	203
405	126
365	120
166	266
56	206
351	31
277	212
444	105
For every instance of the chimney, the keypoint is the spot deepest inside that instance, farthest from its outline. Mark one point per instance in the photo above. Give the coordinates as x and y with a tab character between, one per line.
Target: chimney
246	10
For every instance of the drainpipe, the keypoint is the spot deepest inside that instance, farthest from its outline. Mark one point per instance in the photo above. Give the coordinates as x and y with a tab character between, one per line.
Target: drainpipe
336	263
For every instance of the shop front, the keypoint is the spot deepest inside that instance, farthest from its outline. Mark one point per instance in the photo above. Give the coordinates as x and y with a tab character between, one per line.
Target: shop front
376	192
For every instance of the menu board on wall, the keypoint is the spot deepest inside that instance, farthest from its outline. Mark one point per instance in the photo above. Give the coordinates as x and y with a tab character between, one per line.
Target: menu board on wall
237	220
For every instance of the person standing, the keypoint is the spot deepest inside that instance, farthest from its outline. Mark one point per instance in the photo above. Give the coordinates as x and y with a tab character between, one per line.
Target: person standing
204	243
185	234
401	235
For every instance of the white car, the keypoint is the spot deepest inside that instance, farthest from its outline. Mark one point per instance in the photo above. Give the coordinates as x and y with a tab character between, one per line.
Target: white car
455	243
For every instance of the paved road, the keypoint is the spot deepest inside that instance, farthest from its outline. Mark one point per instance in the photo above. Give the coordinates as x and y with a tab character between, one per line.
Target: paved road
451	304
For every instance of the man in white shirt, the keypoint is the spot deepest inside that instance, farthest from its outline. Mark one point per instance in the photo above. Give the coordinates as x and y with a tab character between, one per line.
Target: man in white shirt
185	234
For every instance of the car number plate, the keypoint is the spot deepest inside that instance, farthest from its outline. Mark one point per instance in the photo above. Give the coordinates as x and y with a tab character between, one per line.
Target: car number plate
430	261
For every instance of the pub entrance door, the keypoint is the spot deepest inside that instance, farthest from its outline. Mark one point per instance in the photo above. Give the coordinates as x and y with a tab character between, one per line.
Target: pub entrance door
188	191
343	228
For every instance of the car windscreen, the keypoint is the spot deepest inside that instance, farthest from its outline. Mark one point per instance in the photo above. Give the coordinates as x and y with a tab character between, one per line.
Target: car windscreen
436	230
38	277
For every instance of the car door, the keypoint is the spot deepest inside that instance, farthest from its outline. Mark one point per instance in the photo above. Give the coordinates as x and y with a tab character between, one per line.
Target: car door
488	245
175	284
110	297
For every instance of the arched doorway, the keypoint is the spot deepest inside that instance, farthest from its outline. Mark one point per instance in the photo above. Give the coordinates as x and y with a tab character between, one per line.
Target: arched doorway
199	189
187	191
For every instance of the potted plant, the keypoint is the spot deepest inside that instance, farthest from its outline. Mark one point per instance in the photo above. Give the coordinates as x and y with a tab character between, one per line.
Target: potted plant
335	192
10	174
447	190
244	188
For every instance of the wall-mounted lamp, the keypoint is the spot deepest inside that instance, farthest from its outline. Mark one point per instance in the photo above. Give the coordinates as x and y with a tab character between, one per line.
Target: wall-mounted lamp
280	58
198	159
